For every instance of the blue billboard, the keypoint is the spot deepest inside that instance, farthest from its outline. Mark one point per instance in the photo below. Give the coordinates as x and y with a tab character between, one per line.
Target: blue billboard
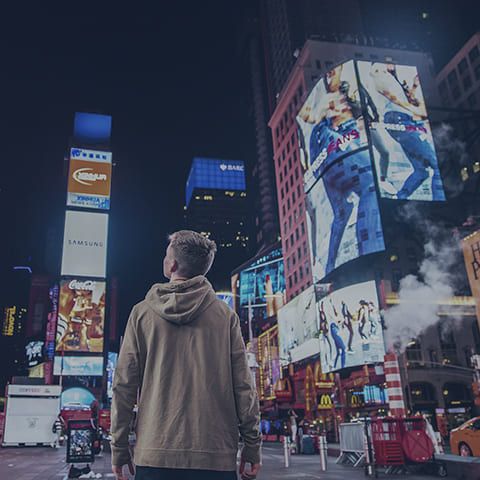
83	365
92	128
215	174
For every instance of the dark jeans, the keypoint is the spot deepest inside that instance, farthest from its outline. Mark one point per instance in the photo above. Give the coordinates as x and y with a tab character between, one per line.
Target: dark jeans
154	473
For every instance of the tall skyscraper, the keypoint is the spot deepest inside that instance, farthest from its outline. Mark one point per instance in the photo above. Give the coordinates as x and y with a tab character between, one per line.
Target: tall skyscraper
216	206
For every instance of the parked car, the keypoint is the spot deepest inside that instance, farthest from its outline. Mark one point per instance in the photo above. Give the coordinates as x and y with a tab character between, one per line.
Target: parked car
465	440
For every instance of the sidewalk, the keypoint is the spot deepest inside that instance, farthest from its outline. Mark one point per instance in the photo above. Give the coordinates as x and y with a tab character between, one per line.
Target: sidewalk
44	463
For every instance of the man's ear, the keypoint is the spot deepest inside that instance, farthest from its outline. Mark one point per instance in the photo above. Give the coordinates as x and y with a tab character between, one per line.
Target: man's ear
174	267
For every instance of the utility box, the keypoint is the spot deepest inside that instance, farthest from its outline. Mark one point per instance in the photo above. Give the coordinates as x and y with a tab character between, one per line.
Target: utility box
30	413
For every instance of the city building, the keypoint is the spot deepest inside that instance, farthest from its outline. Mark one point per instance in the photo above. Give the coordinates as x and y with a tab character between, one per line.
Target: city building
459	86
315	59
217	206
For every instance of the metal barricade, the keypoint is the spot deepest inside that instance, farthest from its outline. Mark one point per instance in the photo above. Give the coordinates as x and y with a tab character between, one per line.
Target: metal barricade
352	443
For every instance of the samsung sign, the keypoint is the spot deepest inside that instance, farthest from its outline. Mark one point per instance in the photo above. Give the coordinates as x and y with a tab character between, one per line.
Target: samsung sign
85	244
215	174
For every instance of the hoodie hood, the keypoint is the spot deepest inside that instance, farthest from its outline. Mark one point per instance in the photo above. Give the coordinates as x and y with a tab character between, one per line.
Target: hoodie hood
180	302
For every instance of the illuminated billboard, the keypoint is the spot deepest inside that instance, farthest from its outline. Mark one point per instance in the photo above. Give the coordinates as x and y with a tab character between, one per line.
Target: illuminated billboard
89	179
92	128
85	244
343	217
78	366
215	174
298	328
262	284
269	362
227	297
81	316
402	142
111	364
471	255
350	327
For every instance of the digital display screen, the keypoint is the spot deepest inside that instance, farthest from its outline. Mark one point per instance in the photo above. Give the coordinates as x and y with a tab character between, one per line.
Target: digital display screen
298	328
78	366
263	285
215	174
92	128
343	217
80	441
350	327
89	179
227	297
81	316
401	137
85	244
111	364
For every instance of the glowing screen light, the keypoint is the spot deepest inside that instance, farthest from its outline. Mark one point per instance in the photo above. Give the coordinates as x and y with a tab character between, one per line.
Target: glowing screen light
402	142
85	244
343	217
92	128
215	174
350	327
78	366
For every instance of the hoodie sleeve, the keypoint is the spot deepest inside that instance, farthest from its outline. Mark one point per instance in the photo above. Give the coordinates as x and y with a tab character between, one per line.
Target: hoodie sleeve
246	399
125	386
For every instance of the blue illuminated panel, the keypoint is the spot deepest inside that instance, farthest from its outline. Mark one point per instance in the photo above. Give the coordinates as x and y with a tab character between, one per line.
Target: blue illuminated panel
215	174
92	128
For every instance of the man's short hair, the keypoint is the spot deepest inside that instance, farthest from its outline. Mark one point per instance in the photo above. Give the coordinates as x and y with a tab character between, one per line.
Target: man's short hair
193	252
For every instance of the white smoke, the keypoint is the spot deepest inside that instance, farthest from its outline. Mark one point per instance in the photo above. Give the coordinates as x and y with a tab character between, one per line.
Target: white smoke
419	295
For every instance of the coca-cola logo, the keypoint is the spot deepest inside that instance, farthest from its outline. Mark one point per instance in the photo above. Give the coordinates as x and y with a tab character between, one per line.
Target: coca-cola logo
77	285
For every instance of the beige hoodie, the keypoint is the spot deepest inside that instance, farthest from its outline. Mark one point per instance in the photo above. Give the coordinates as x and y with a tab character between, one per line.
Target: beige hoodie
184	350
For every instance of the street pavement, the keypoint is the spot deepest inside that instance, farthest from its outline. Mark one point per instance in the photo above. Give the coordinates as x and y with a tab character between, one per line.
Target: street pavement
45	463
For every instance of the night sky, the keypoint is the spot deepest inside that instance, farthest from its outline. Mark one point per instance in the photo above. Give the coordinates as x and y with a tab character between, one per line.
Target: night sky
176	84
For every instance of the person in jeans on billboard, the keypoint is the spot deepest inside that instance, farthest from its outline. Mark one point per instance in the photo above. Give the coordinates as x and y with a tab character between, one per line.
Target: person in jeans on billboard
184	354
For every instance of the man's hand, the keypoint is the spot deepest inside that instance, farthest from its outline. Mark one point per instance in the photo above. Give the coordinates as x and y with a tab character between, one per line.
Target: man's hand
118	471
248	475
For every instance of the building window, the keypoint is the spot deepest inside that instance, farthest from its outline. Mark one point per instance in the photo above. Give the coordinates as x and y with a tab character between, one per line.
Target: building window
463	66
300	209
307	271
296	173
281	193
286	244
298	191
302	226
358	55
300	271
286	187
305	248
291	239
295	279
285	171
281	177
290	221
396	276
295	218
285	227
473	54
292	139
283	210
456	93
288	203
373	56
294	260
295	156
288	148
467	82
290	163
300	91
299	253
293	197
328	64
279	160
288	264
318	64
477	74
447	343
290	281
295	100
452	77
297	236
291	180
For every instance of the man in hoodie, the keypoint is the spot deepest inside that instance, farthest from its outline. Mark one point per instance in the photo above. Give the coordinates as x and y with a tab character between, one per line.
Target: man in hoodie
184	354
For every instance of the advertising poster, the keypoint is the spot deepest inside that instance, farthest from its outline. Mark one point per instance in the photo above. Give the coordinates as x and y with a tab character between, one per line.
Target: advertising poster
298	328
111	364
78	366
343	217
404	153
81	316
85	244
226	297
350	327
89	179
263	285
80	441
268	359
471	254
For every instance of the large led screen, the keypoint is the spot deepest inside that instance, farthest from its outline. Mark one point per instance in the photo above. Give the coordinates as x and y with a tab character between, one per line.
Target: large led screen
85	244
78	366
262	285
404	153
216	174
343	216
350	327
298	328
81	316
89	179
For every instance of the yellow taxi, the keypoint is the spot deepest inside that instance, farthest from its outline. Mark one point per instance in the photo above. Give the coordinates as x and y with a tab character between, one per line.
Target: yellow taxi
465	440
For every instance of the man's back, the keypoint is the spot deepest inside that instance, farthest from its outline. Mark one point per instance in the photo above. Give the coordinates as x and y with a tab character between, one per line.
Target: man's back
183	349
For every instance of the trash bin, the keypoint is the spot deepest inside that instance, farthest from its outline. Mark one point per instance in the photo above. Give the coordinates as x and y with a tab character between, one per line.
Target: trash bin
307	445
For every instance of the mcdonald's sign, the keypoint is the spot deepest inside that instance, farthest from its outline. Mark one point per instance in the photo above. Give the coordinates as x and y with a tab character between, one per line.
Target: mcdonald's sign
325	402
323	380
283	390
